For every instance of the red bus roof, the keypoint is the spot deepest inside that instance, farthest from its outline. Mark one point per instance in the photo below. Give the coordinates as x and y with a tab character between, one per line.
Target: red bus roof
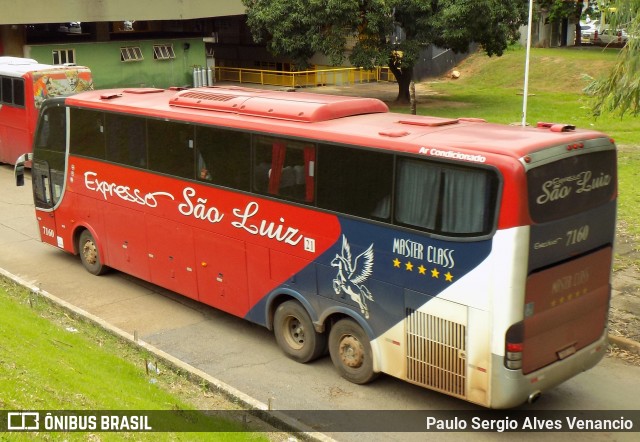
340	119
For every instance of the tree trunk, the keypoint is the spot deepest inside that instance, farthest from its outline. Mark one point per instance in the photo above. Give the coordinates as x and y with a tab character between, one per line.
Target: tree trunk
412	93
403	77
578	41
580	4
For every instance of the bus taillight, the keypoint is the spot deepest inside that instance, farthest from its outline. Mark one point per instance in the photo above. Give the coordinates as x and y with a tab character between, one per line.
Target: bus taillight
513	358
514	346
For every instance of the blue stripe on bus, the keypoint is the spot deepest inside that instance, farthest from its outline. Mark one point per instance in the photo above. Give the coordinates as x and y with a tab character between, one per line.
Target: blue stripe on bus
369	268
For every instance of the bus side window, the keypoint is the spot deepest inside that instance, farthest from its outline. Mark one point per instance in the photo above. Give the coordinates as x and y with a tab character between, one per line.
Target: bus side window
18	92
355	182
7	90
87	133
467	206
223	157
285	168
126	140
451	200
171	148
12	91
417	193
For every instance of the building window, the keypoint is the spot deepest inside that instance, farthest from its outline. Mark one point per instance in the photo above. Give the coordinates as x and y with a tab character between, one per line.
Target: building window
64	56
131	53
163	52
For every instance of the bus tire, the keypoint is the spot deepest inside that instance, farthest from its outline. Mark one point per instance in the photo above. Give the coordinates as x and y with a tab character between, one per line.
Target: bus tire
295	333
90	254
351	353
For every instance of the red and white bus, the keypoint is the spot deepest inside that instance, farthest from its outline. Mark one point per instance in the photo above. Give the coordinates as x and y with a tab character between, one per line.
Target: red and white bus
24	85
462	256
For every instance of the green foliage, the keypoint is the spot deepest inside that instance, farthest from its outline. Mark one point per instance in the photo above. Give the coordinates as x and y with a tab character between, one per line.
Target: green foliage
629	193
299	28
560	9
619	92
380	32
491	23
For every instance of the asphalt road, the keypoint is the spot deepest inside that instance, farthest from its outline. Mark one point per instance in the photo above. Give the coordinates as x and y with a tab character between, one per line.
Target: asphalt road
246	356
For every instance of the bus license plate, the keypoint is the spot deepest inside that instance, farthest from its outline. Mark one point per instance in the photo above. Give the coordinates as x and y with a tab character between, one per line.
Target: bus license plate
562	354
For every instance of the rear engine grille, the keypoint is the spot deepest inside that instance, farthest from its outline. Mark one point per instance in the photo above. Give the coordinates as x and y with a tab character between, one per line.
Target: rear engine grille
436	353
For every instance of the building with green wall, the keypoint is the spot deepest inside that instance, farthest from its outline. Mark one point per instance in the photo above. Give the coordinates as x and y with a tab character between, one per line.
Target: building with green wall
116	38
158	63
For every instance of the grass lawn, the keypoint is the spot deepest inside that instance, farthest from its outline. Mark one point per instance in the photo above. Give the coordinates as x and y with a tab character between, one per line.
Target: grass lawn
50	360
492	88
629	203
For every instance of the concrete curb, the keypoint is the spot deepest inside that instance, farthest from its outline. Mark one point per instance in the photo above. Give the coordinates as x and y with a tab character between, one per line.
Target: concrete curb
625	344
276	419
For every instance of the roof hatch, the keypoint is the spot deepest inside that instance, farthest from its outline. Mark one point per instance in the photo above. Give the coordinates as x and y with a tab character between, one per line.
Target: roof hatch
143	90
429	121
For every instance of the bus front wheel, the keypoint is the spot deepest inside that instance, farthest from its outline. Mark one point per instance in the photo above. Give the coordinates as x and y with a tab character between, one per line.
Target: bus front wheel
351	353
90	254
295	333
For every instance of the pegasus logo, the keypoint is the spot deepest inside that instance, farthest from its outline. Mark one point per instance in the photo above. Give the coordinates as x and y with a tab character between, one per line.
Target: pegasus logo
352	274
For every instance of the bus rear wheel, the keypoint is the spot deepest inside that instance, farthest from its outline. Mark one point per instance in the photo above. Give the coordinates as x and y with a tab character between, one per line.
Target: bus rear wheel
90	254
295	333
351	353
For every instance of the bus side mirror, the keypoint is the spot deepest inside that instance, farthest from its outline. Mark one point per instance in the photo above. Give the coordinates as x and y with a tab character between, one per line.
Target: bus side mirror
19	168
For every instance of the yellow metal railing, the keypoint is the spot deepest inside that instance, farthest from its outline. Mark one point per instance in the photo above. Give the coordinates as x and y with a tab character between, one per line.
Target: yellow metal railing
317	77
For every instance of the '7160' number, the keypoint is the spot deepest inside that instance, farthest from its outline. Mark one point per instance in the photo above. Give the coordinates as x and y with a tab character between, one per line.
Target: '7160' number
578	235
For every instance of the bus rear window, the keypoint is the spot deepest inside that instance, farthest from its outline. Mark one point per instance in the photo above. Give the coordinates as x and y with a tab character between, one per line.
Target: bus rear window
571	185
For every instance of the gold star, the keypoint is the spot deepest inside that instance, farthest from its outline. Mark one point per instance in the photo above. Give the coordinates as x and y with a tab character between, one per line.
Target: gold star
409	266
448	277
422	270
435	273
396	263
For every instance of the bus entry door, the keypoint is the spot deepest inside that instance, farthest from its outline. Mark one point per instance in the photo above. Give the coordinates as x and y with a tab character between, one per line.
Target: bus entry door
43	192
48	170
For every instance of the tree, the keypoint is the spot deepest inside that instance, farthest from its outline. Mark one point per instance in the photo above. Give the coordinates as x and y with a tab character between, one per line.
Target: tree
619	92
573	9
386	32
